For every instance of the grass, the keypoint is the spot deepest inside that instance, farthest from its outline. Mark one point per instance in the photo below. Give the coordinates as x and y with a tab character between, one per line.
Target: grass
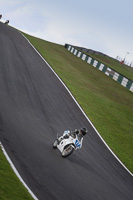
108	105
10	186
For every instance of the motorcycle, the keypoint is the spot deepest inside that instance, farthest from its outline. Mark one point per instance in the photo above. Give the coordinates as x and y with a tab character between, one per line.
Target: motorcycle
67	144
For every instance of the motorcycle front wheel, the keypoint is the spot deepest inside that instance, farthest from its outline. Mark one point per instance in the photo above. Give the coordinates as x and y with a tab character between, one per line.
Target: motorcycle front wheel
55	144
68	150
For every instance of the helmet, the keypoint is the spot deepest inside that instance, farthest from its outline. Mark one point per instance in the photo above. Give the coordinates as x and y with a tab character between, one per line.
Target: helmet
83	130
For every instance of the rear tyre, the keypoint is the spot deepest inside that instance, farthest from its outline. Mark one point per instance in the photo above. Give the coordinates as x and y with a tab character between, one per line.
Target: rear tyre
68	150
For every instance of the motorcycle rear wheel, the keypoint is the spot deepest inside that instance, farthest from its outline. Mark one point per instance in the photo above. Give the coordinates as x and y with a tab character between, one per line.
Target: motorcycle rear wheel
68	150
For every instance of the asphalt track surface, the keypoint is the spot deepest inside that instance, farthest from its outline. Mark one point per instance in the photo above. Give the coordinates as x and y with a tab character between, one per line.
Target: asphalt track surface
34	106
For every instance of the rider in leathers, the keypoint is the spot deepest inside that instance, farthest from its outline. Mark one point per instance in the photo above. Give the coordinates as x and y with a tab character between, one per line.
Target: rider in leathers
79	132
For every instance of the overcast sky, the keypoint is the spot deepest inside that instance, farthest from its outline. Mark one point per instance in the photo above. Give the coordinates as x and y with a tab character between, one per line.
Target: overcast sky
102	25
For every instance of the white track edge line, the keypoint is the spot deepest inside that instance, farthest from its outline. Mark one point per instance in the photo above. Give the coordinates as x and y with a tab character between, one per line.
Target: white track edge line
79	106
16	172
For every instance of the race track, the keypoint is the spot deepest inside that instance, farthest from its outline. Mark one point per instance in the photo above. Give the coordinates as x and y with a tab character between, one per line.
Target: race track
34	106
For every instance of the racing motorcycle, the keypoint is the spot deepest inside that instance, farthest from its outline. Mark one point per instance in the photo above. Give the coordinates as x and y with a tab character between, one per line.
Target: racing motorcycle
67	144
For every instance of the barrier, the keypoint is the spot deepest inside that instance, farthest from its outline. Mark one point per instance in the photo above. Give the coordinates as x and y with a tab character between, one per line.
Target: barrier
105	69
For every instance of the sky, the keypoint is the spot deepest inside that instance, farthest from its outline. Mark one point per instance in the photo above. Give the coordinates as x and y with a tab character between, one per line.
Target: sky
101	25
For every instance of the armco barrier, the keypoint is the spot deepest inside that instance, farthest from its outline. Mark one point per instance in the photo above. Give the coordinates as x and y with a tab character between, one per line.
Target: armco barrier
107	70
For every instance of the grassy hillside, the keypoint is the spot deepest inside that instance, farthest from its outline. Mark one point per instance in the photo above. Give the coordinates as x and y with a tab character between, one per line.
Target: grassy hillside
108	104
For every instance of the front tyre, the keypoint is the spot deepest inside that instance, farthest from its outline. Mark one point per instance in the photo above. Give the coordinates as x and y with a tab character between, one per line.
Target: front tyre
55	144
68	150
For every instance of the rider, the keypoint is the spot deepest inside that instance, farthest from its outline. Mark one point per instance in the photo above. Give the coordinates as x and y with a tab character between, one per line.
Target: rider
79	132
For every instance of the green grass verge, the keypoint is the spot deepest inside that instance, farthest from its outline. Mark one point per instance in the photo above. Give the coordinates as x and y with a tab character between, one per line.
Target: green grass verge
108	104
10	186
